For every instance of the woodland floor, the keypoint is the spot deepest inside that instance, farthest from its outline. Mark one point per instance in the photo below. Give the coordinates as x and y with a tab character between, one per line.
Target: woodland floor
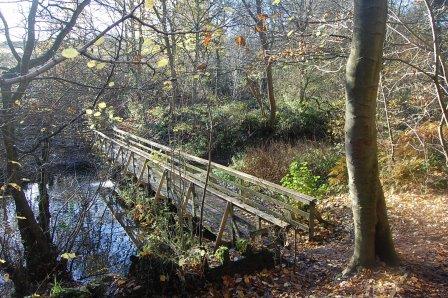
420	228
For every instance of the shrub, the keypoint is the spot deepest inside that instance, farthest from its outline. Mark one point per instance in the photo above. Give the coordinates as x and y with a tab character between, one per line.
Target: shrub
222	254
419	162
301	179
272	160
242	246
338	176
236	125
299	120
269	161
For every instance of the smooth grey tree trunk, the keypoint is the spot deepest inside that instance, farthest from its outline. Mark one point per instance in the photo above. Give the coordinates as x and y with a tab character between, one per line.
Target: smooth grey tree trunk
372	233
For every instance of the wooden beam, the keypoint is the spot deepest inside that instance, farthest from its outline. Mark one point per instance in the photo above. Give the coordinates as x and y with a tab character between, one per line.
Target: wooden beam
222	226
129	161
159	188
311	222
140	176
235	230
120	150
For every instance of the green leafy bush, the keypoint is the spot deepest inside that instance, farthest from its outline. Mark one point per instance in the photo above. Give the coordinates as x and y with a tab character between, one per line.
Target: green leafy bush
301	179
242	246
222	254
272	160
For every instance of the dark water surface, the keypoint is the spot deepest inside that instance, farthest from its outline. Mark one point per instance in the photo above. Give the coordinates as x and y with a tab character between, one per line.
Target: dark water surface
81	223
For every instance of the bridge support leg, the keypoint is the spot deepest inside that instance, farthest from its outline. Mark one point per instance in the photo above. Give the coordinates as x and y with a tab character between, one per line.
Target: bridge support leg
222	226
311	222
117	156
142	171
126	167
159	188
235	230
133	165
182	210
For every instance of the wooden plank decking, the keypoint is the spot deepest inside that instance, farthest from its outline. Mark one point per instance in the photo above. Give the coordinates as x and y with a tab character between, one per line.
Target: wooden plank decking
249	203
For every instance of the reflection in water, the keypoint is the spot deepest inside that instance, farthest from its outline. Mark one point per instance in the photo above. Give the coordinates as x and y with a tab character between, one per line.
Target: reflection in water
81	223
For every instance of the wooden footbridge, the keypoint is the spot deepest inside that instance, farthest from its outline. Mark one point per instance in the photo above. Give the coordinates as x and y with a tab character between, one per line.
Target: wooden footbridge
235	204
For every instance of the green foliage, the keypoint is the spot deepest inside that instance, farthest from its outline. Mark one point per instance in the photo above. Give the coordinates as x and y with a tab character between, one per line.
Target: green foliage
242	246
298	119
56	289
193	258
223	175
271	161
236	124
222	255
301	179
166	237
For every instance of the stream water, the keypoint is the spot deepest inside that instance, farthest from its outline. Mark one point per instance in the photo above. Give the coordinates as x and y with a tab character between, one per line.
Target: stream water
81	223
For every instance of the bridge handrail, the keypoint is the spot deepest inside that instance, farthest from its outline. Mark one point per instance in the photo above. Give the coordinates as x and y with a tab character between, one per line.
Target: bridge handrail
247	177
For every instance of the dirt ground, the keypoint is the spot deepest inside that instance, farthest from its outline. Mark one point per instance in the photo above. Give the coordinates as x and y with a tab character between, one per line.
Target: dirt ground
419	224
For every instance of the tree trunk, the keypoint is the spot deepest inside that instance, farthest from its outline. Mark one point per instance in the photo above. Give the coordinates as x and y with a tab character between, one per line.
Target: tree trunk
261	28
39	253
44	198
372	233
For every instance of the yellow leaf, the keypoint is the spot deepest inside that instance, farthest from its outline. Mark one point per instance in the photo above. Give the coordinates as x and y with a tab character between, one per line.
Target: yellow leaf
97	114
2	261
167	85
162	62
100	41
149	4
100	65
102	105
68	256
89	112
91	64
70	53
21	217
276	2
111	84
15	186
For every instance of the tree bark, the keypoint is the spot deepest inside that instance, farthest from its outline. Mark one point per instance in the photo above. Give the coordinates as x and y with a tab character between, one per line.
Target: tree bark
261	28
372	232
40	255
44	198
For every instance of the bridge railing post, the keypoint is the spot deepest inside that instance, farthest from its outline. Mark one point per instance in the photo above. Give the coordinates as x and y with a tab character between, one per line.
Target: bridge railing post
312	212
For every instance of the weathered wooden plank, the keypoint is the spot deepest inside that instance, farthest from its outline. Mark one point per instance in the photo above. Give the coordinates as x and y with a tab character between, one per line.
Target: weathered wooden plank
223	225
159	188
